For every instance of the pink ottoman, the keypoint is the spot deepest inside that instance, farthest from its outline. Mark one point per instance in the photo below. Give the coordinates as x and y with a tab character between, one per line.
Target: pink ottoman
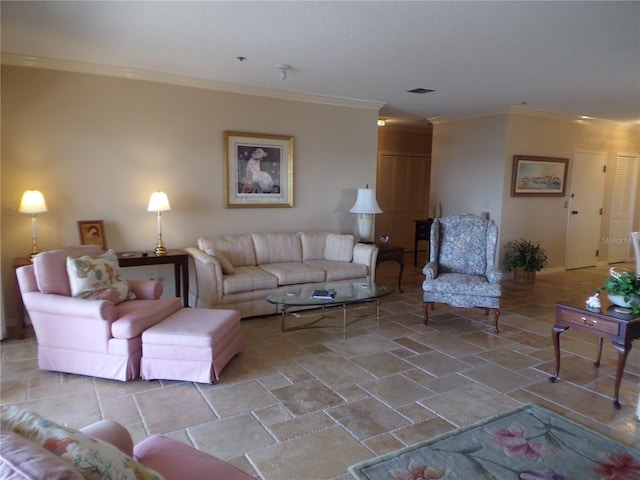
193	344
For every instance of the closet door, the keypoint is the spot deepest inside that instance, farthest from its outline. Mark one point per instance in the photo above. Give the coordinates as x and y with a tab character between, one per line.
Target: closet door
622	202
402	189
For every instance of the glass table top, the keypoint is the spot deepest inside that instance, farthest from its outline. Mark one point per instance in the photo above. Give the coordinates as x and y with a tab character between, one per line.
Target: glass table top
346	294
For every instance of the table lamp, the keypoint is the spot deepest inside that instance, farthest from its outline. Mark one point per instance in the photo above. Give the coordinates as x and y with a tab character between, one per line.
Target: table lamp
158	202
366	207
32	203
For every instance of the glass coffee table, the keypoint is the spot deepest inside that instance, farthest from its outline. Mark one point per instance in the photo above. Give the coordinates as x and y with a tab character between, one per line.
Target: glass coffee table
351	300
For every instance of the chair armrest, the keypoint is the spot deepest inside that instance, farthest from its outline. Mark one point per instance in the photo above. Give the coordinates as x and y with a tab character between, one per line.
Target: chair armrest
146	289
206	291
176	461
366	254
68	306
430	270
111	432
494	275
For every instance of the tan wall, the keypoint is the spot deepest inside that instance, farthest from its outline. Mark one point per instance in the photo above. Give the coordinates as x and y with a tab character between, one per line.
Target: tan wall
97	146
545	219
467	166
472	164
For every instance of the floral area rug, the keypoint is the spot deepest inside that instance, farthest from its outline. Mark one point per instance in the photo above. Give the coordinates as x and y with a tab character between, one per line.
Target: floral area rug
530	443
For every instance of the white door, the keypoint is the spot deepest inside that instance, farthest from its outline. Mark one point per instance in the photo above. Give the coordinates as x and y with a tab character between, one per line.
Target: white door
622	202
586	199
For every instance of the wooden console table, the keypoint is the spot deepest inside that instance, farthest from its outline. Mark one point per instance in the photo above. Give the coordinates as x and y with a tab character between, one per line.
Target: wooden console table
622	329
17	263
423	232
179	259
392	253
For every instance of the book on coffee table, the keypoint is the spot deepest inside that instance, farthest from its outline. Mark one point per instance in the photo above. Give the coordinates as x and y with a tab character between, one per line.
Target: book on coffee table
323	294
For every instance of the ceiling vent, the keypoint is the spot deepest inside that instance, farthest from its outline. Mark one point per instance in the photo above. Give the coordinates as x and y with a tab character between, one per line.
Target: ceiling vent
420	91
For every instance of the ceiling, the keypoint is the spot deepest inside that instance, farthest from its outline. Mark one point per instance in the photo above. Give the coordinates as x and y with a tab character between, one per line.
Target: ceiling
576	58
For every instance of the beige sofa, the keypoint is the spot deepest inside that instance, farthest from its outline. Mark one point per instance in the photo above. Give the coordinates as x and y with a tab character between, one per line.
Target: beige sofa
239	271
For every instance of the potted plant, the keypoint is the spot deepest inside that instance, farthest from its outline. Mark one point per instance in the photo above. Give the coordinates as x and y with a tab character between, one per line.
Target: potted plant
623	289
524	258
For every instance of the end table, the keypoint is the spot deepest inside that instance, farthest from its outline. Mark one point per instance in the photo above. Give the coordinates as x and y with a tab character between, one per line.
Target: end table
179	259
392	253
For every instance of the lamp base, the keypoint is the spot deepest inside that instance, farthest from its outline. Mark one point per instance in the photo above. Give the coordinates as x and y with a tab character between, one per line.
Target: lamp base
365	227
34	248
160	249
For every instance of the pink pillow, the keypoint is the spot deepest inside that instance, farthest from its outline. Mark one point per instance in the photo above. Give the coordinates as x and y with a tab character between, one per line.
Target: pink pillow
50	268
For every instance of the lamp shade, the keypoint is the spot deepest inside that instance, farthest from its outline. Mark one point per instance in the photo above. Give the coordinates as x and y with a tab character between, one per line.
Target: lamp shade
158	202
32	202
366	202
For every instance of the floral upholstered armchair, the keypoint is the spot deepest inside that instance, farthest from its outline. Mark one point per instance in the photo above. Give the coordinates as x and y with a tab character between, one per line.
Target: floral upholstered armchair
462	271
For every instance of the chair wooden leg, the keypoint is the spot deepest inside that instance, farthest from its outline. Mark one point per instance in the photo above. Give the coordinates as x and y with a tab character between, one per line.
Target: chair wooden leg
425	309
496	317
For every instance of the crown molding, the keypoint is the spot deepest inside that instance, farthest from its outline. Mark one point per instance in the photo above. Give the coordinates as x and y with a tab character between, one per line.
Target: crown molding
182	80
532	112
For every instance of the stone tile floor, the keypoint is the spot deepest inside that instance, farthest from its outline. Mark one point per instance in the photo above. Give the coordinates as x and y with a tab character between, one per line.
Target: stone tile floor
307	404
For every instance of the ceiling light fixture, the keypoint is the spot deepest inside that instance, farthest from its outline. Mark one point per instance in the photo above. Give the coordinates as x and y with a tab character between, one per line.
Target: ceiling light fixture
283	71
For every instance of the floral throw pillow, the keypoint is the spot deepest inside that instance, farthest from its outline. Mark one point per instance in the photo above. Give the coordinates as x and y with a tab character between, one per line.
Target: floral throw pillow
96	277
94	459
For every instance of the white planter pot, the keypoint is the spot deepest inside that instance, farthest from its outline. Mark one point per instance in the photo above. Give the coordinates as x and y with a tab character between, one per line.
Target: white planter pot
619	300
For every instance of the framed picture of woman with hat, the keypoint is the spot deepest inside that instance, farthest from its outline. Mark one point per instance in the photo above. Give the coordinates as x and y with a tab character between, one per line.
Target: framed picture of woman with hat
258	170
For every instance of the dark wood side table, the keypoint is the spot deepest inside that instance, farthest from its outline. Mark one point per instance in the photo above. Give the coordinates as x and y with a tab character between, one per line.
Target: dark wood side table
621	328
423	232
17	263
179	259
388	253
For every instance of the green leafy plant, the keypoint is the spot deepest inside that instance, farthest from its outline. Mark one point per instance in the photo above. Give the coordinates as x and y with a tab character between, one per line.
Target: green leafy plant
524	254
626	284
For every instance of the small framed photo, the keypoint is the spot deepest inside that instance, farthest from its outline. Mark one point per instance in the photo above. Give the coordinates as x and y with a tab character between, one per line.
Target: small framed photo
539	176
258	170
92	233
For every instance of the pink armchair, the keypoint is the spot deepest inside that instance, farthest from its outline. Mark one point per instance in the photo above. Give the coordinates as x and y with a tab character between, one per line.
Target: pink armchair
88	337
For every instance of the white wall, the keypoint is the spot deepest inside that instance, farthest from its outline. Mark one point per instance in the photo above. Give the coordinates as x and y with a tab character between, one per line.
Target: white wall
97	146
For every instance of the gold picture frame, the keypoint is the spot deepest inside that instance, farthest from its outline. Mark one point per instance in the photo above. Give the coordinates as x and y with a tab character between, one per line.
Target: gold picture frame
539	176
92	233
258	170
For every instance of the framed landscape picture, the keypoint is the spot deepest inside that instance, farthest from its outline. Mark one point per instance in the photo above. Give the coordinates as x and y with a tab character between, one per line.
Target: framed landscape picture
539	176
258	170
92	233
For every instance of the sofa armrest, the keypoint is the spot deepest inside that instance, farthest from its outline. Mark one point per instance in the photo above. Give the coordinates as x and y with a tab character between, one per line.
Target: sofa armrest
177	461
111	432
366	254
206	290
430	270
68	306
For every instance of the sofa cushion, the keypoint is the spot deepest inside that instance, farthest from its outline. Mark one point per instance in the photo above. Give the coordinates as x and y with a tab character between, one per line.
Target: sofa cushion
313	245
237	248
290	273
97	277
93	458
277	247
340	270
50	268
225	263
21	459
339	247
247	279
